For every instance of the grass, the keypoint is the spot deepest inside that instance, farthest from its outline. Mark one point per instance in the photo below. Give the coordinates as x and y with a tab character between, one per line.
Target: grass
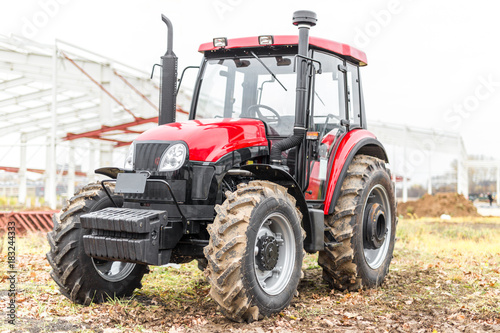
443	272
464	254
479	238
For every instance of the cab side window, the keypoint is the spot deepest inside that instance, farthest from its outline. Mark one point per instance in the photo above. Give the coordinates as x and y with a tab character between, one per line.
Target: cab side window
353	95
328	91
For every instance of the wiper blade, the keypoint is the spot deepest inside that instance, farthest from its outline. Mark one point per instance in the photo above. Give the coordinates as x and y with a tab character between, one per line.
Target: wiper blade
268	69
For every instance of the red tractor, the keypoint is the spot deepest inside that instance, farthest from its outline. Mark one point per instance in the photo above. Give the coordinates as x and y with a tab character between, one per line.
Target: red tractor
275	159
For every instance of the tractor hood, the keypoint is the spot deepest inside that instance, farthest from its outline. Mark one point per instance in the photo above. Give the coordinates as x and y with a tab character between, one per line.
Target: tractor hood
210	139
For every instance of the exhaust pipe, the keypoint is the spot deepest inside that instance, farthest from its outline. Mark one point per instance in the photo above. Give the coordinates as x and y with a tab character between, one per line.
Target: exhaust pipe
304	19
168	85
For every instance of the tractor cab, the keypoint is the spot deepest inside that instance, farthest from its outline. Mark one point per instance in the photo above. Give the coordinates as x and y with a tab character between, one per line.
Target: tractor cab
252	80
256	78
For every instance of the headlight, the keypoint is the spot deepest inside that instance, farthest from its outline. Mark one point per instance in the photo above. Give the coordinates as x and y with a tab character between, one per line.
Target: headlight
129	160
173	158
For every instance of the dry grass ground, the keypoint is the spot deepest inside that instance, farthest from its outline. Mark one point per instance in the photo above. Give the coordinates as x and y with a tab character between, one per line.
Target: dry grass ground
444	277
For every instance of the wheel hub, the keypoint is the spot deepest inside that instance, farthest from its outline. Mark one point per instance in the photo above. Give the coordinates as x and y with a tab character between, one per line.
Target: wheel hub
268	254
375	226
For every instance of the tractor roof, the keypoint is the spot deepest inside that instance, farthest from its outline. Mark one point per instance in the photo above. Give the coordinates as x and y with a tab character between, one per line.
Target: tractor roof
347	51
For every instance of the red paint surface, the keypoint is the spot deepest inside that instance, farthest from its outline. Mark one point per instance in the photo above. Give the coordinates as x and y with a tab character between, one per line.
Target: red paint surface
343	151
314	188
339	48
210	139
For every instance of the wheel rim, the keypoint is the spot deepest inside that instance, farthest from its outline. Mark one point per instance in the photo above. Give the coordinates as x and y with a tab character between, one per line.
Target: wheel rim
375	257
275	226
113	271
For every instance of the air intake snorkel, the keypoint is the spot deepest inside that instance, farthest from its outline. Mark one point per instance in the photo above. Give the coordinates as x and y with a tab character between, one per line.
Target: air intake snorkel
168	85
304	20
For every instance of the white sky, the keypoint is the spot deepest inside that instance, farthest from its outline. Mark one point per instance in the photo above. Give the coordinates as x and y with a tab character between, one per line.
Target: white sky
428	60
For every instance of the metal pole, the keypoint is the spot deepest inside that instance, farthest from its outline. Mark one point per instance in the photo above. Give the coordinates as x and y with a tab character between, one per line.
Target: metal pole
48	159
405	181
71	171
462	170
51	163
106	116
22	171
94	148
498	184
429	183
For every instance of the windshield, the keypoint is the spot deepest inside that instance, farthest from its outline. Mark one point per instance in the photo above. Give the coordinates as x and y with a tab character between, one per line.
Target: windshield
264	88
245	88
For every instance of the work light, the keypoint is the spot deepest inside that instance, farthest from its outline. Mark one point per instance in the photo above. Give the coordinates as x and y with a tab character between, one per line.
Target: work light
220	42
266	40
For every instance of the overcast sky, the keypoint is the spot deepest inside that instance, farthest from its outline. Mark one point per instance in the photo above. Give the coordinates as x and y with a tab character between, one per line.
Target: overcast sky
431	64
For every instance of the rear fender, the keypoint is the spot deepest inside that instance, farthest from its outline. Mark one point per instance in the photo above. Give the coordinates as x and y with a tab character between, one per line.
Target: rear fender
353	143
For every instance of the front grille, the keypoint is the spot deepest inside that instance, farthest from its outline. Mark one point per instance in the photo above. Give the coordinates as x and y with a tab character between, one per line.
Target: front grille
148	155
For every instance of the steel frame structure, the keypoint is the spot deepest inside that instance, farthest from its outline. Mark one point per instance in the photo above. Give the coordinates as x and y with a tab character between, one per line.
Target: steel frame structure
64	93
417	143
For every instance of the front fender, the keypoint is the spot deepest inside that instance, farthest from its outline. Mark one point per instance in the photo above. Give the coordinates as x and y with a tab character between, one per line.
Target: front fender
353	143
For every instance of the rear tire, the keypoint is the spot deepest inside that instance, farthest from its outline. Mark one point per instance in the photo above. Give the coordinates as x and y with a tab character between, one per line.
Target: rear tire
81	278
255	251
364	223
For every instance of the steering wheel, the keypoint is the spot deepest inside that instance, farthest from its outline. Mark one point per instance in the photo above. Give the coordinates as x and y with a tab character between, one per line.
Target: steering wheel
274	118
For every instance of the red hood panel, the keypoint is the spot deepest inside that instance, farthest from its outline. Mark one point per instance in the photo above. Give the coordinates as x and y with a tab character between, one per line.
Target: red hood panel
210	139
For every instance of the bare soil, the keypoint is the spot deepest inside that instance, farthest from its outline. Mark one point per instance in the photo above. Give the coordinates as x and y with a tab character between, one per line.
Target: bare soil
453	204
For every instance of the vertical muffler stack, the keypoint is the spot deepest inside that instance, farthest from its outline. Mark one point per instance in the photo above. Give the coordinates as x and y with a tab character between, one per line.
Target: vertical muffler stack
304	20
168	85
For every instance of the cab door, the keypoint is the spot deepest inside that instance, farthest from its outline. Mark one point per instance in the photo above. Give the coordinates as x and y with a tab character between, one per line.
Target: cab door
335	97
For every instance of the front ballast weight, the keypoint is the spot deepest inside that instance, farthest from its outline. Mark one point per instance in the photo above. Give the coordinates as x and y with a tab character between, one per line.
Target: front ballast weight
132	235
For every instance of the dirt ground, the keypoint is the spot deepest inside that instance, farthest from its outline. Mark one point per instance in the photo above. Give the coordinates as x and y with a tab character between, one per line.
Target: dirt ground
453	204
430	288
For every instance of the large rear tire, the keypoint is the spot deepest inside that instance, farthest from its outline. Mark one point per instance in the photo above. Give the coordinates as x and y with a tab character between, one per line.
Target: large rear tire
255	251
81	278
364	223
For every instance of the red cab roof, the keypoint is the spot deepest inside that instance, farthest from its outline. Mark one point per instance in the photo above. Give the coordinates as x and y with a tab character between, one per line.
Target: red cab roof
342	49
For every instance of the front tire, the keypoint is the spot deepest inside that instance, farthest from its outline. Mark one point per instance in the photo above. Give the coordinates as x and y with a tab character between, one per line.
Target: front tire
81	278
255	251
364	225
